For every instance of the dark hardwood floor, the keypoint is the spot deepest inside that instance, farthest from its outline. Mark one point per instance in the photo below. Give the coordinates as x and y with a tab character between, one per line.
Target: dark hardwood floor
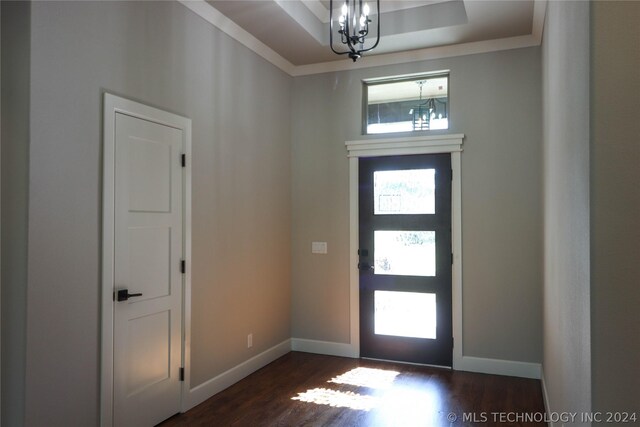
303	389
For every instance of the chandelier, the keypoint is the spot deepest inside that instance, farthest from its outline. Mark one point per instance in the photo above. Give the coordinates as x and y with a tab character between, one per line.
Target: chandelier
354	27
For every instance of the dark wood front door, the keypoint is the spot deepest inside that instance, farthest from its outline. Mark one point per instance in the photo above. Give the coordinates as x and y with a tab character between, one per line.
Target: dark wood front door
405	258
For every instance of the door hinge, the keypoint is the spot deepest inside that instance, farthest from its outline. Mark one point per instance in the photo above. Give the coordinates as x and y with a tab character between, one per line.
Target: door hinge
452	175
181	374
183	266
453	343
452	258
183	160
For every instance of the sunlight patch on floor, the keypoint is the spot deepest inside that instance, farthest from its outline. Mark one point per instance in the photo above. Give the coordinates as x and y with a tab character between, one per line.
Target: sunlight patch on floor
406	405
367	377
338	399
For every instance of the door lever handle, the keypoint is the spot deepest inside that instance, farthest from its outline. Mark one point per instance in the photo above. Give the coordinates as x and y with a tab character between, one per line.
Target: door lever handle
123	295
364	266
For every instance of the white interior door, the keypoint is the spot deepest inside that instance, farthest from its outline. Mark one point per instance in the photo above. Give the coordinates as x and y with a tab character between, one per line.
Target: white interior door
148	249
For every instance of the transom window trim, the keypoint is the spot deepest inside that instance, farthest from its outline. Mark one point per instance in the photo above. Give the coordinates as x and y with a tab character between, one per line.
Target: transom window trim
405	145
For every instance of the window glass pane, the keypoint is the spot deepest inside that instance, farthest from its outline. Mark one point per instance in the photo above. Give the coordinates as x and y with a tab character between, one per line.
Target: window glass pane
405	314
404	192
412	105
405	253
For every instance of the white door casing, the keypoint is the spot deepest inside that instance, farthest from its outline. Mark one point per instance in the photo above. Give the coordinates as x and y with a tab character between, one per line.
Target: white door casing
375	147
144	242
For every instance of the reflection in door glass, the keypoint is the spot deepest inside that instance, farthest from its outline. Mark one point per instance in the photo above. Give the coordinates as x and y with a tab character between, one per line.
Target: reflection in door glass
405	314
405	253
404	191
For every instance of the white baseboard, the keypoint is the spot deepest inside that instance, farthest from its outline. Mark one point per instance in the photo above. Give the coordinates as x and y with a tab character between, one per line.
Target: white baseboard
215	385
325	347
545	397
466	363
498	367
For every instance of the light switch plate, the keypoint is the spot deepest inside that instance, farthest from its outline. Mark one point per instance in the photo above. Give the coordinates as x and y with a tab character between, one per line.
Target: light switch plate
318	247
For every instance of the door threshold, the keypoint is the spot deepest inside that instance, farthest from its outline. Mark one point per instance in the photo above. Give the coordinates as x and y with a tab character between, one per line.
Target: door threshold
450	368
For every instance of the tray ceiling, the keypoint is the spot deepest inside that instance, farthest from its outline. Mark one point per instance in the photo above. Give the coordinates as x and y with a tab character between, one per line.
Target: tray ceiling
297	31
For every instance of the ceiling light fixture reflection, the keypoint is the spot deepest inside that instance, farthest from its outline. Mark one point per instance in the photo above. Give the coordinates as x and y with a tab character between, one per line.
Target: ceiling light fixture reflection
353	28
425	112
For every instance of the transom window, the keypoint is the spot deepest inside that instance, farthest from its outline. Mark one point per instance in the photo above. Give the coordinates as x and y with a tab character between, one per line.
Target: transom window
415	104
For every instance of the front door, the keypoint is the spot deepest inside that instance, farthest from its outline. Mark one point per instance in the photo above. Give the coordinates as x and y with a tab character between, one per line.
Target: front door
148	247
405	258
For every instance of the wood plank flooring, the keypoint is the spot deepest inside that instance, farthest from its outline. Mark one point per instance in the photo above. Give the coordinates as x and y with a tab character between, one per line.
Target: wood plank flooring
303	389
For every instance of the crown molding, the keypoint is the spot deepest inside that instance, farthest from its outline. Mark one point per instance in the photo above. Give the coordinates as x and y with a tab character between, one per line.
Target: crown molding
473	48
226	25
317	9
220	21
305	17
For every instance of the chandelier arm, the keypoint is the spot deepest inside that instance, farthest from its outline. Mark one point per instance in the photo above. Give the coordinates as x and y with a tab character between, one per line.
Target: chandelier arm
348	33
331	27
378	35
331	30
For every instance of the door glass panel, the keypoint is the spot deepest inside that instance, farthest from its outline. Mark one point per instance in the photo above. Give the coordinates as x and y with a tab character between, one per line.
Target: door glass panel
405	314
405	253
404	192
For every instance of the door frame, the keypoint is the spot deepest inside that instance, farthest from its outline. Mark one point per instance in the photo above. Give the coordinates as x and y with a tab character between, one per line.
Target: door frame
406	146
112	105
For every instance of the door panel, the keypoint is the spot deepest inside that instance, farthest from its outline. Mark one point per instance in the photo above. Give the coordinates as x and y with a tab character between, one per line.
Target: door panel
148	251
405	258
150	175
150	351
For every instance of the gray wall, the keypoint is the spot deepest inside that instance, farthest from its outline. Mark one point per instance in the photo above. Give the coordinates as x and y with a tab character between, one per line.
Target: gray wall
13	227
615	205
163	55
496	103
566	309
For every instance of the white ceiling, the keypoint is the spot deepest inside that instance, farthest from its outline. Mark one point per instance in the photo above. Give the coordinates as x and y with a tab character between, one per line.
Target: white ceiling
294	34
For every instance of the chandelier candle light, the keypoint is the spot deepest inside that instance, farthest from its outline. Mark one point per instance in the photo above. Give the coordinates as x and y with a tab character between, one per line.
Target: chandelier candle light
354	27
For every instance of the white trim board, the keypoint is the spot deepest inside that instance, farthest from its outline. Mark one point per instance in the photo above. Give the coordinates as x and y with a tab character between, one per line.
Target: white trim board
545	396
113	105
405	145
498	367
325	347
215	385
438	52
220	21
